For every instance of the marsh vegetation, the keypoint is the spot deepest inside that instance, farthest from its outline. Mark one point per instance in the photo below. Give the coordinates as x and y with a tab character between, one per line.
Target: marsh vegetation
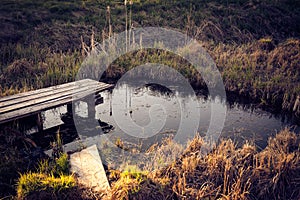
227	172
255	45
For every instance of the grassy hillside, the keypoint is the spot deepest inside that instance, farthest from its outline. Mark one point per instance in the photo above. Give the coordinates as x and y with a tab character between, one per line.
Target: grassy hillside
46	23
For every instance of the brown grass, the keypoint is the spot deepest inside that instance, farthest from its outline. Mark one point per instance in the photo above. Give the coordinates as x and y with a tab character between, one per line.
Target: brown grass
227	172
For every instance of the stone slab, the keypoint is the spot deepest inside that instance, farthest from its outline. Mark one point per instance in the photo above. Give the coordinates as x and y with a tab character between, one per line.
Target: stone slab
88	166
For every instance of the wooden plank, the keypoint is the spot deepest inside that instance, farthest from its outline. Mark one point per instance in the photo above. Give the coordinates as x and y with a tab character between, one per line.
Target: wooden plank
44	99
33	110
43	90
39	91
49	98
49	104
44	94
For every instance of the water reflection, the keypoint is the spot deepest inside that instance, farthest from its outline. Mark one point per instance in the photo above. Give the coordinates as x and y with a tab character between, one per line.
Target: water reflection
134	105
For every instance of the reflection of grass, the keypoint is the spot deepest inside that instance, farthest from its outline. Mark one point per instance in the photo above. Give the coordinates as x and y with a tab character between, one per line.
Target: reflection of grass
266	74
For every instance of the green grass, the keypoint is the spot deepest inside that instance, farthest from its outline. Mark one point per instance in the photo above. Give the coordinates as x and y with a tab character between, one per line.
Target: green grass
34	182
133	181
52	177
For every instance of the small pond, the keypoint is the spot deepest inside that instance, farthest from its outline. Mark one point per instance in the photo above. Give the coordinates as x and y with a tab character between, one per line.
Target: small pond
150	107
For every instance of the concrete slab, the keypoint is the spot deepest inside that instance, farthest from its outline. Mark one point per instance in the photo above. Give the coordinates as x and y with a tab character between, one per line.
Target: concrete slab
88	166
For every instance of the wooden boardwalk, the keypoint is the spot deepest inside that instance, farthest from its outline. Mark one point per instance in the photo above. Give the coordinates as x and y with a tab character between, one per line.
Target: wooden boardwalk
33	102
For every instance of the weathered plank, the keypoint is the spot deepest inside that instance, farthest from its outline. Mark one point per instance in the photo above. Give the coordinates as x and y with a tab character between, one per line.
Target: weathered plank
44	98
42	94
44	106
48	99
42	90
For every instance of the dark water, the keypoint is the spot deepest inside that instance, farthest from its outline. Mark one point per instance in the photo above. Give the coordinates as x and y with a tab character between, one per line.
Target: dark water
129	109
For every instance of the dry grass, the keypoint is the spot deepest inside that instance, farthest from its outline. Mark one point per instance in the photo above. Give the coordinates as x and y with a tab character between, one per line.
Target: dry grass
261	70
227	172
24	74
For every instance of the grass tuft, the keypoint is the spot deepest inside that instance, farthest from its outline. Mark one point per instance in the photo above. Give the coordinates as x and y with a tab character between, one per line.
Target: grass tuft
50	177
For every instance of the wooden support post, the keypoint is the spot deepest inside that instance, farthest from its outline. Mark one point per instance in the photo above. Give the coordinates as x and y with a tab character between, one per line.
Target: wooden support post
98	99
69	108
90	100
110	103
97	95
39	122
